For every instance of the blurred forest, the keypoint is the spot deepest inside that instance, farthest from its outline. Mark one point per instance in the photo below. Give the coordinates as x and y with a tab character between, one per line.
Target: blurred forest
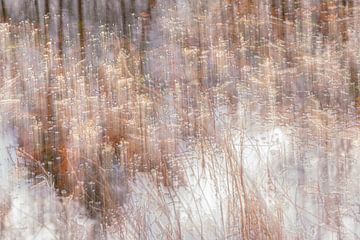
260	98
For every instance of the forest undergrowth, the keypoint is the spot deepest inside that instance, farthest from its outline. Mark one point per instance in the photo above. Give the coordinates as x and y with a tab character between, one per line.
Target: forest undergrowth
179	119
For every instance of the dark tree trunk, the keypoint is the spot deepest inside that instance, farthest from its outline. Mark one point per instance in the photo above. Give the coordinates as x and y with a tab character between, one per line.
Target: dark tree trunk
3	11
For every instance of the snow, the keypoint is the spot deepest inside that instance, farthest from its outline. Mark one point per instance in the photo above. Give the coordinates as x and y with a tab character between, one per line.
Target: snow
201	208
33	211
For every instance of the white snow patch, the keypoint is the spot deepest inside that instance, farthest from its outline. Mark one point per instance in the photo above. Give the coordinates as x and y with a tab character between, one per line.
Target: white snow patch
33	211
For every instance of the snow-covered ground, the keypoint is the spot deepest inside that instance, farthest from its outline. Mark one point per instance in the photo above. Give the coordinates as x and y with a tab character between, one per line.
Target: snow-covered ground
30	210
203	208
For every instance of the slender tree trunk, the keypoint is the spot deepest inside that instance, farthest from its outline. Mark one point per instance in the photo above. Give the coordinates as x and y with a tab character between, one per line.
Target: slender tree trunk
123	16
47	7
3	11
81	29
37	12
60	31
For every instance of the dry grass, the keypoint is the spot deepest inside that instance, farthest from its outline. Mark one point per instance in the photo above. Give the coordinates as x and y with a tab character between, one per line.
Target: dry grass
96	112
